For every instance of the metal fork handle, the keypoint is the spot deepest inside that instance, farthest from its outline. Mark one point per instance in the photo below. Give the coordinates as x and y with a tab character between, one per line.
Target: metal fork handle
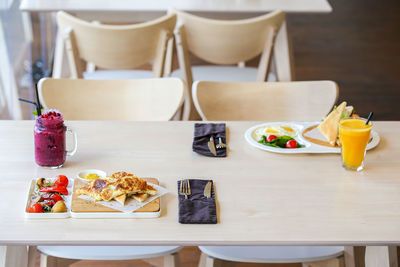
188	192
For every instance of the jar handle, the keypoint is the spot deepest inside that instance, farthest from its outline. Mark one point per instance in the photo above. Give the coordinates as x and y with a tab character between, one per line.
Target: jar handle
73	151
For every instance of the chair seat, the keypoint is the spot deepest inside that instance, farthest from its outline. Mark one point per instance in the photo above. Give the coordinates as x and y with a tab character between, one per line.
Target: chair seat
266	254
223	74
108	252
118	74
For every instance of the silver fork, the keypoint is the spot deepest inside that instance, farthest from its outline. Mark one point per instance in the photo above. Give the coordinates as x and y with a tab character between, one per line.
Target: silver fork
184	188
220	144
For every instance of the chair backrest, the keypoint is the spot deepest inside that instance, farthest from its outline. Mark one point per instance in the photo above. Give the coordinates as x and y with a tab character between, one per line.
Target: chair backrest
156	99
116	46
228	41
264	101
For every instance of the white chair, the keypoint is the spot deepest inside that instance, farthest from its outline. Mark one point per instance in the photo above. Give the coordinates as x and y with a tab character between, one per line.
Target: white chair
267	101
309	256
229	43
59	256
264	101
135	100
157	99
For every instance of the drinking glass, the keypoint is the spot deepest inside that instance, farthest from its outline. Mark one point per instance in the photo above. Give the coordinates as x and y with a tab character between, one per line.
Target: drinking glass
354	135
50	140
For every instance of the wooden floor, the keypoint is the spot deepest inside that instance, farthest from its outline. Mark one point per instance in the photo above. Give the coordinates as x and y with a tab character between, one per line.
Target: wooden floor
357	45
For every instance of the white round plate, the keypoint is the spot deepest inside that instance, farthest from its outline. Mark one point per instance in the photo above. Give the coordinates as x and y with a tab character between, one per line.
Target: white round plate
309	147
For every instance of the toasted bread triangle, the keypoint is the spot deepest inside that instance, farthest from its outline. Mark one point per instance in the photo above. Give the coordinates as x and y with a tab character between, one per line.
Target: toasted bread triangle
121	199
330	125
140	197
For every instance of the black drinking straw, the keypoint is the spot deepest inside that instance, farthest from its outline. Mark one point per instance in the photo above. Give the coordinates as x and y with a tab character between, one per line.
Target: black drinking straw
38	105
369	117
39	112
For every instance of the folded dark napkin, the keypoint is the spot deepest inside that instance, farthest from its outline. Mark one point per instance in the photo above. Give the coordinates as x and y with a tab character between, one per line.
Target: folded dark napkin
202	134
197	208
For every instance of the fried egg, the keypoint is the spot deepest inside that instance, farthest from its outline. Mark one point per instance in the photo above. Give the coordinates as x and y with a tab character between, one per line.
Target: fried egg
278	130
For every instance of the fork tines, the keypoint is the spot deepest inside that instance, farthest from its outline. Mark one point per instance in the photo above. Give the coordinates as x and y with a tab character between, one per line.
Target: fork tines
220	144
184	188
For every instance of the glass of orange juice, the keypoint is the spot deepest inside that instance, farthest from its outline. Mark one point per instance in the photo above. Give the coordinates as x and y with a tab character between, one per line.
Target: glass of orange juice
354	136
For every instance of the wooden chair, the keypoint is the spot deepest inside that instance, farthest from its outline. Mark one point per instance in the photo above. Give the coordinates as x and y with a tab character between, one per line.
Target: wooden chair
267	101
229	43
112	47
133	100
116	49
264	101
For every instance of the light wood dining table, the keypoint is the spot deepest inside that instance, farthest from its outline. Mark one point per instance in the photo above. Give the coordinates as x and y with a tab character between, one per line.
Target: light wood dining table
262	198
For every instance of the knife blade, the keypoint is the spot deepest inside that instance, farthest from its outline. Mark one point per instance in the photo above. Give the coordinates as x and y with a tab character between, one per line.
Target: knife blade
211	146
207	190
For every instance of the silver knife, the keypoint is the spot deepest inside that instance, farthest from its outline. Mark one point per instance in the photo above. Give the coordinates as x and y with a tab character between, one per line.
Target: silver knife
207	189
211	146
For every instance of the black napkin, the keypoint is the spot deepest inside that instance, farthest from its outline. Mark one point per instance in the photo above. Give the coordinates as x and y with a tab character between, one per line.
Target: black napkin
202	134
197	209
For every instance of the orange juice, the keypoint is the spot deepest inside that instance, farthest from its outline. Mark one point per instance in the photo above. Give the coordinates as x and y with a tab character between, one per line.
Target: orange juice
354	137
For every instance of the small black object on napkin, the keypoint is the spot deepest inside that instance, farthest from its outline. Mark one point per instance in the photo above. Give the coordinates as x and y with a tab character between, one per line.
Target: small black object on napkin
202	134
197	208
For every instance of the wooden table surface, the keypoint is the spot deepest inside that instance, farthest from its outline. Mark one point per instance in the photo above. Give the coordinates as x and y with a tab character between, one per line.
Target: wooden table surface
307	6
262	198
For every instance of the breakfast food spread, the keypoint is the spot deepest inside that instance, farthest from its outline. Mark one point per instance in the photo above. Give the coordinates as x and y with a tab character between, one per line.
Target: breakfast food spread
330	125
118	186
48	195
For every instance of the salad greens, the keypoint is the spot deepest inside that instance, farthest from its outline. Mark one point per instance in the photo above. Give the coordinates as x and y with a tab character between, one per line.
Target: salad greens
278	142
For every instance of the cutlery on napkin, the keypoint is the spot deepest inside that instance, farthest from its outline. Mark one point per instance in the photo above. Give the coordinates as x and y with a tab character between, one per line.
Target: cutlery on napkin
198	208
205	138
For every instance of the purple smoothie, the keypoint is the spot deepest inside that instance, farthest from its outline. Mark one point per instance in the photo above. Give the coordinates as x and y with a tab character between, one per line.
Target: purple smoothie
50	139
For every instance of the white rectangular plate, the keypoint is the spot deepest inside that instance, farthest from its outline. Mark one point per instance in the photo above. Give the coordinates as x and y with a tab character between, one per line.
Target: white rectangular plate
48	215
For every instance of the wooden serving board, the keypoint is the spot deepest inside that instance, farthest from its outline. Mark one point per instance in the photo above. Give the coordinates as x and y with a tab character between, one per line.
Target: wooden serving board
80	205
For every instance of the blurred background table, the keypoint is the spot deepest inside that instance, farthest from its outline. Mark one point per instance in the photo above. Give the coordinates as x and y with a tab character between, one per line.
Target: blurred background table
160	6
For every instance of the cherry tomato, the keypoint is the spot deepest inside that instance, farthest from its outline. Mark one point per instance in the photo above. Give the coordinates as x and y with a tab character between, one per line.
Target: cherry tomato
62	181
36	208
270	138
291	144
